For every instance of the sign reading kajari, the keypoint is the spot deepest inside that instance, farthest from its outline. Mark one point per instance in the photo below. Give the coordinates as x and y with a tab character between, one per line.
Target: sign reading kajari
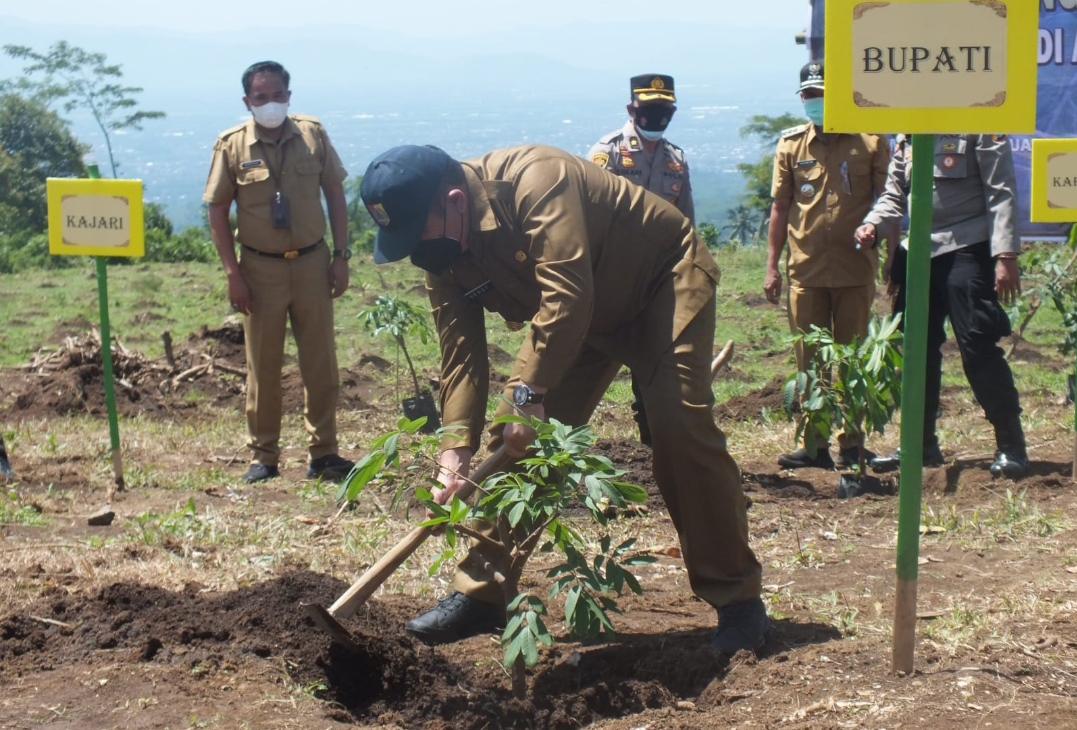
95	217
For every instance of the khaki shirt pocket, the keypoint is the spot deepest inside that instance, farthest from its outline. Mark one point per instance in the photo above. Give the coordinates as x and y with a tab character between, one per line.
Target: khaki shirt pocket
254	186
308	167
809	181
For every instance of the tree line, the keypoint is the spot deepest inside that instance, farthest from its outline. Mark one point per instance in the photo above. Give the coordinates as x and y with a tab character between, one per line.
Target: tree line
36	143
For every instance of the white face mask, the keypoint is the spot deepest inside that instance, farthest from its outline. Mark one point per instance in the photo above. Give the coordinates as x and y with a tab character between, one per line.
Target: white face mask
271	114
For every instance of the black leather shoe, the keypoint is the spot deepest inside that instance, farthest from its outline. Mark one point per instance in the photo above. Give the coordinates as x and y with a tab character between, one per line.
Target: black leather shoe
456	617
1011	467
742	625
850	457
801	459
331	468
932	457
260	473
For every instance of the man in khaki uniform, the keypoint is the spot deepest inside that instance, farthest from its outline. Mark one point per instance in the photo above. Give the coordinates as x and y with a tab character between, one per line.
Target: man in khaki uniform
275	168
824	184
640	152
607	274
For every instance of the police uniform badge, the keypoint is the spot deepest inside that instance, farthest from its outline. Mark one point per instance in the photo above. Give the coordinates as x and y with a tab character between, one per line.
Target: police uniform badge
807	190
949	147
949	161
675	187
674	166
378	213
627	161
601	158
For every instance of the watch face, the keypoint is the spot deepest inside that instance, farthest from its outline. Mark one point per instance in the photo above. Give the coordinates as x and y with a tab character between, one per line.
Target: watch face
519	395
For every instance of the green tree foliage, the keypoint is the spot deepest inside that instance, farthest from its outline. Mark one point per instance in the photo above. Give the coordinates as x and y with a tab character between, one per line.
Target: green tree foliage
35	144
758	175
81	80
526	504
742	225
854	387
361	227
710	235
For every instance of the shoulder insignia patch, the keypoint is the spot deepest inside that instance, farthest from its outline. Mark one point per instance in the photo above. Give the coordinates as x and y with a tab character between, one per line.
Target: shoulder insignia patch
231	130
601	158
793	131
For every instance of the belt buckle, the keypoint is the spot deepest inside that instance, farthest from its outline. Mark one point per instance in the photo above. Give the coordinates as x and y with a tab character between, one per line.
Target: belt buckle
291	254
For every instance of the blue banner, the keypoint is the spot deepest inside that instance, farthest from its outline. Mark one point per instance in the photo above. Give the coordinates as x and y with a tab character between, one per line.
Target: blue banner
1056	104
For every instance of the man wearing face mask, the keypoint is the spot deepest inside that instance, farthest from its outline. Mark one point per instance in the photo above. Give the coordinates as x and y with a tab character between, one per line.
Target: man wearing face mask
607	274
640	152
824	184
276	167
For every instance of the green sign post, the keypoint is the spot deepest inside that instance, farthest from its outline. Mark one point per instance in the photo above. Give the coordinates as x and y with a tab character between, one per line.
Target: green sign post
917	288
99	218
106	360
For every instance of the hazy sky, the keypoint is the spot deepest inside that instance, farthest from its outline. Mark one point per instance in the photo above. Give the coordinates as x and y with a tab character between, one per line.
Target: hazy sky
411	17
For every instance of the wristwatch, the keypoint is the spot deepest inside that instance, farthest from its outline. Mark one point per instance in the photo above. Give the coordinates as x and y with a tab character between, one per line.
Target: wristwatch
345	252
524	396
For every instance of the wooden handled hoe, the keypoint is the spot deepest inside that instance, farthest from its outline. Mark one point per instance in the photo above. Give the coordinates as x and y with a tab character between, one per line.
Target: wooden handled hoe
346	606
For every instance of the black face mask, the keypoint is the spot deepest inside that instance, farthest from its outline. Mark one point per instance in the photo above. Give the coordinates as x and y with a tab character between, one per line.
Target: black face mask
654	117
437	254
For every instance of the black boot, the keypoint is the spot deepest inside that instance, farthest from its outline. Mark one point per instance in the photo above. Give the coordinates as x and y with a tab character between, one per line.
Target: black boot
932	457
1011	458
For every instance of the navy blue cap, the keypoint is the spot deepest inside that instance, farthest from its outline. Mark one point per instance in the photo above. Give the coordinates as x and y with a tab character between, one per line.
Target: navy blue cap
397	189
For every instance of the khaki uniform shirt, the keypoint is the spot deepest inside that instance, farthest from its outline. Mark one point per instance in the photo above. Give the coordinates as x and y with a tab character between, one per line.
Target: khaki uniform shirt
665	173
579	253
831	182
975	193
244	167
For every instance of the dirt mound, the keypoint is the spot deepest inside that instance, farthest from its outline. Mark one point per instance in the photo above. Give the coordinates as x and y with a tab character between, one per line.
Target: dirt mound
390	679
749	407
209	367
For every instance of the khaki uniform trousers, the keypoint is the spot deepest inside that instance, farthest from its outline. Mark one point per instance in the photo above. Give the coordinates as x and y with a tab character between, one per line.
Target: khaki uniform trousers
296	290
699	480
845	311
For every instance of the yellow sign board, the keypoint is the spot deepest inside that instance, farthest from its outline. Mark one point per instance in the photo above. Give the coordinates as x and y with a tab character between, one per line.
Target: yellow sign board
1054	180
931	66
95	217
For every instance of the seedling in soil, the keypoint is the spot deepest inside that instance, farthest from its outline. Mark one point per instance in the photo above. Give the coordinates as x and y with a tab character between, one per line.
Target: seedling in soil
526	508
401	320
855	388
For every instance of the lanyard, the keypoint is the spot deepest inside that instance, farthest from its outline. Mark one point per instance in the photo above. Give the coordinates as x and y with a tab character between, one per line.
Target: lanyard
275	174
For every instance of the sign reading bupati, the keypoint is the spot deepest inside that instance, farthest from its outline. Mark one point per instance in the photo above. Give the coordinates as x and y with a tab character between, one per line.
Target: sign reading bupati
1054	180
931	66
95	217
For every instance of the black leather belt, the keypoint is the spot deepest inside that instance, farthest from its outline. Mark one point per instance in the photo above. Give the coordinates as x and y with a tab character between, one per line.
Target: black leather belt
287	254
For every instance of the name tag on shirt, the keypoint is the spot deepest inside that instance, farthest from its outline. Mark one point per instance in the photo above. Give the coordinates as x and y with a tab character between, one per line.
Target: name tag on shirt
249	164
805	163
475	294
